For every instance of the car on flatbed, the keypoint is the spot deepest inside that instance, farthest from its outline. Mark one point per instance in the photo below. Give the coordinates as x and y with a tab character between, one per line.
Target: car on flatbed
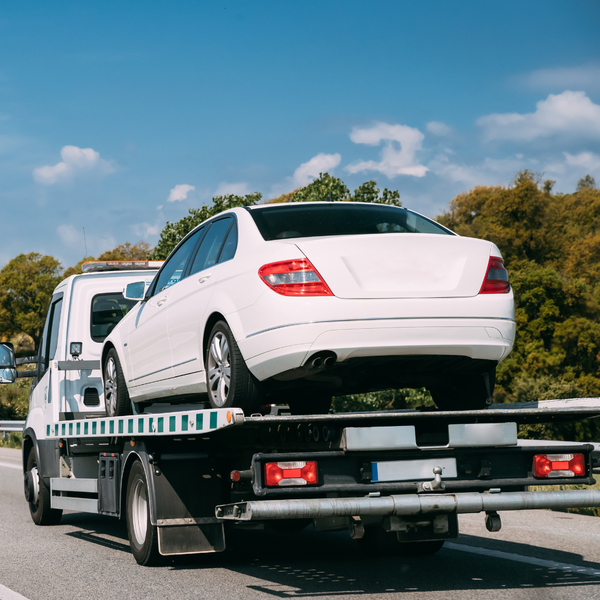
312	300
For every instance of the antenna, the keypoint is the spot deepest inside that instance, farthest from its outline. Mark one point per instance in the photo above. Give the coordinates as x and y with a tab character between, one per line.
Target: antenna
84	243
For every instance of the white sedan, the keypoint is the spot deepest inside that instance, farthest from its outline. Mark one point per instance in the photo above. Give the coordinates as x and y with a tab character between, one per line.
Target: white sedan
300	302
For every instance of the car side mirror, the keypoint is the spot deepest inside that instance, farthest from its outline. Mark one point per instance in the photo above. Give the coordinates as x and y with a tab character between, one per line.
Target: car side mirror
8	366
135	291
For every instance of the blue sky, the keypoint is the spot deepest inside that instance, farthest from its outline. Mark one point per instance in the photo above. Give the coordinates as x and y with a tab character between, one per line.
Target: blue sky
118	117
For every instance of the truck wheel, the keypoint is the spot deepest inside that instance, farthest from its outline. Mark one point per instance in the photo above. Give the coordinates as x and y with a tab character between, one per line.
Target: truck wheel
116	396
37	494
474	393
378	542
143	536
228	379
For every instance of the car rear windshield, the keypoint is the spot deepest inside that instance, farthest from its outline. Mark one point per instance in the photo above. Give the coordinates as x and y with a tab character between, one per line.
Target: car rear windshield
301	220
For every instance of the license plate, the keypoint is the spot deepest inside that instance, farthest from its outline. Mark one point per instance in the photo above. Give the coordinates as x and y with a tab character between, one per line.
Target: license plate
412	470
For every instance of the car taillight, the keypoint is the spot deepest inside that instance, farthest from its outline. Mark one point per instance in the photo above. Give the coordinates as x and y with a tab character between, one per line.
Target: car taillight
294	278
291	473
558	465
496	278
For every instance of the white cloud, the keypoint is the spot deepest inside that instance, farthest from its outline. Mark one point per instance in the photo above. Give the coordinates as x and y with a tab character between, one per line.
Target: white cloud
570	114
321	163
585	160
74	161
180	192
145	230
438	128
585	77
398	155
238	189
69	235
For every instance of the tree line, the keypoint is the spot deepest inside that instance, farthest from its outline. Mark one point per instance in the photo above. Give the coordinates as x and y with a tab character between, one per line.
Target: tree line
551	247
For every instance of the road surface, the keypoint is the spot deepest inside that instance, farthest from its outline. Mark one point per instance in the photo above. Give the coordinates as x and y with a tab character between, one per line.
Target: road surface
537	555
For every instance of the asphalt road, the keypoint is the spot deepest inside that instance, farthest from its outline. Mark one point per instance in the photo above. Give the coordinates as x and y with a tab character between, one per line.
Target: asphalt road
537	554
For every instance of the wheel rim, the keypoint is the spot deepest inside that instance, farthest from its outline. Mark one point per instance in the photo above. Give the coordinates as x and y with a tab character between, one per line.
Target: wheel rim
35	476
110	387
139	512
219	369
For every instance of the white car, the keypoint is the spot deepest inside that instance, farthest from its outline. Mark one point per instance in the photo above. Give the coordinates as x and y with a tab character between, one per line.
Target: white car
300	302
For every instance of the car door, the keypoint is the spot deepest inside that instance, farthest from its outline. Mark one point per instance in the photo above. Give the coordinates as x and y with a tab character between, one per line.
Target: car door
148	340
190	300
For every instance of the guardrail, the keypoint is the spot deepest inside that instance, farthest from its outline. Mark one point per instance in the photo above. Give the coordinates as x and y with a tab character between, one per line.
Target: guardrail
8	427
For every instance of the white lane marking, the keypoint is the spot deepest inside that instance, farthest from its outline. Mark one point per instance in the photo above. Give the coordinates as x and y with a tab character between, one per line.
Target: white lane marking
549	564
10	466
8	594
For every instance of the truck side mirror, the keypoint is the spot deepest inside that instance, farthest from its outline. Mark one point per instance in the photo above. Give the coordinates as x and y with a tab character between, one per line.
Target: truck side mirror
134	291
8	366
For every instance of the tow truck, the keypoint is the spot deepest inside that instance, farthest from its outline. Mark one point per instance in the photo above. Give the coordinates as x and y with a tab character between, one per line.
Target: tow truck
182	475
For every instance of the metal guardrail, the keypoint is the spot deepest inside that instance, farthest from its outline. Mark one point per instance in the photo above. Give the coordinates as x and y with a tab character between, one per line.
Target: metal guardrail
8	427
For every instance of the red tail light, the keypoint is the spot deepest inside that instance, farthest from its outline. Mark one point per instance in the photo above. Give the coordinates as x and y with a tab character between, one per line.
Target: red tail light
496	278
294	278
558	465
291	473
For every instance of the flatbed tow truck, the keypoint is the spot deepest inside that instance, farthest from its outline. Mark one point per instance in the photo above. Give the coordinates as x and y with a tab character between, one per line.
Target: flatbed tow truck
181	475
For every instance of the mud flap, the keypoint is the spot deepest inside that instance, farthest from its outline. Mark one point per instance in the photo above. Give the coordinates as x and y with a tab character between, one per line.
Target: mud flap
191	539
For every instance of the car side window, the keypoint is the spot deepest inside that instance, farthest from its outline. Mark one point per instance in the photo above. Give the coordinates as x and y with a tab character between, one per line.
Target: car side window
230	245
210	248
173	270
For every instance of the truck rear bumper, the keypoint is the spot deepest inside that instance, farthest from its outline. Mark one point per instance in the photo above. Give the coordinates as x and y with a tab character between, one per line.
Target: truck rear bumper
408	505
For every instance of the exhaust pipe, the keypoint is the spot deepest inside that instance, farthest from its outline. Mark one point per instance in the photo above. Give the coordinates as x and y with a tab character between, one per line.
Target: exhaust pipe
325	359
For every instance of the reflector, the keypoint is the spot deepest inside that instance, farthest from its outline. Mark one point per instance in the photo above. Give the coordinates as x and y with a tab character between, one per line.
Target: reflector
291	473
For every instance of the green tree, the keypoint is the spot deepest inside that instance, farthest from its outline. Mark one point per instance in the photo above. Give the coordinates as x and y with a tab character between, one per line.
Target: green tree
369	192
26	286
138	251
587	182
324	188
173	233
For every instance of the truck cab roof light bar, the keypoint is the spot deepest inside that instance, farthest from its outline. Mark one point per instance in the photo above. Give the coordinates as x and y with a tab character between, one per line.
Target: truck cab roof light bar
94	266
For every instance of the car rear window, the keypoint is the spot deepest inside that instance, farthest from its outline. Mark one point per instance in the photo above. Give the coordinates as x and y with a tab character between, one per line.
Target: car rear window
301	220
107	311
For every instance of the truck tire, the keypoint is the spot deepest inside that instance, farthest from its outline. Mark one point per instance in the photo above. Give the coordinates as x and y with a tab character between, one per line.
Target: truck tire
229	382
143	536
470	393
37	494
378	542
116	395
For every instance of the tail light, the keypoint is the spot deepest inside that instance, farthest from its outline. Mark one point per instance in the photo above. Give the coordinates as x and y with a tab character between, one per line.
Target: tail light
558	465
496	278
291	473
294	278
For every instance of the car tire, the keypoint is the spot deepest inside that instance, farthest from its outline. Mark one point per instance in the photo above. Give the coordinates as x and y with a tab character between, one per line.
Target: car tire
470	393
116	395
310	403
38	495
143	536
378	542
228	380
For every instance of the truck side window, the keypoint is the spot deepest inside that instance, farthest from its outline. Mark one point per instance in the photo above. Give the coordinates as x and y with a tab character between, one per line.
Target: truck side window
50	339
173	269
107	311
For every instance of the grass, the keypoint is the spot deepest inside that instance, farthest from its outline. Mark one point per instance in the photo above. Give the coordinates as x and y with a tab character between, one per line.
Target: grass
14	441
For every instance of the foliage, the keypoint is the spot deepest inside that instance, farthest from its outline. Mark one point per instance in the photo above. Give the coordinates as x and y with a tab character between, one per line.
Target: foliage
556	282
26	286
126	251
173	233
385	400
324	188
15	440
586	182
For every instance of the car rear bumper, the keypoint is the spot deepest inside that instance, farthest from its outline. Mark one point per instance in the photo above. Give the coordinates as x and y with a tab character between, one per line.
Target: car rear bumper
283	348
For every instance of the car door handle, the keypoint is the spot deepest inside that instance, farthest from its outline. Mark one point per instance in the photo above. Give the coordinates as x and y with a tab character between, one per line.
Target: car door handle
204	278
161	301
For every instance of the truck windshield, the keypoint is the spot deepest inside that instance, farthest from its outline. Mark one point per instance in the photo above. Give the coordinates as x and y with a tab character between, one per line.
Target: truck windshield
336	218
107	311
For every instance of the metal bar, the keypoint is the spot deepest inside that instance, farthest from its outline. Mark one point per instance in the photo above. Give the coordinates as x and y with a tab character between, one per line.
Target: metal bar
409	504
12	426
72	484
78	365
79	504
